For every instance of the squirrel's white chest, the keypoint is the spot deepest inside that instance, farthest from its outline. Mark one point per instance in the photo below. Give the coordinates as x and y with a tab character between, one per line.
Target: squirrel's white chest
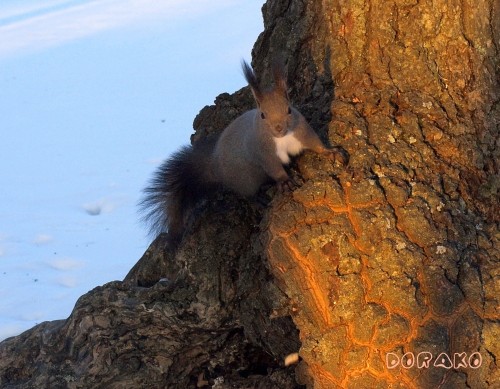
287	146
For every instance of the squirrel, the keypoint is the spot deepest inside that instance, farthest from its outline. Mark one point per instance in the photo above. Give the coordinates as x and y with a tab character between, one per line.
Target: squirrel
252	149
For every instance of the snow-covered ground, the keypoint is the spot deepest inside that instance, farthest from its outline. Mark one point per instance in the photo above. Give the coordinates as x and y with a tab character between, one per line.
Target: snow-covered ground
93	95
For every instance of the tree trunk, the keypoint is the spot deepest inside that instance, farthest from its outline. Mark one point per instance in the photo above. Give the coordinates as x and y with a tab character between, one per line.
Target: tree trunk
392	267
389	268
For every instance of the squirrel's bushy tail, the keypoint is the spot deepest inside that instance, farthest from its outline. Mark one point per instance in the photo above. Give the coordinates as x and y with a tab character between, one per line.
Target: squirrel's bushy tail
178	184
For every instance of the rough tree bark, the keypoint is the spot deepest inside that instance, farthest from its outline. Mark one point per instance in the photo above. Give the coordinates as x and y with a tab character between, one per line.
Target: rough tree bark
400	255
394	256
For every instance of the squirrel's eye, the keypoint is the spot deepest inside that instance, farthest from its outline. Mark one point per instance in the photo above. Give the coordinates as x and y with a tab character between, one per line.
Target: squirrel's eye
262	115
289	111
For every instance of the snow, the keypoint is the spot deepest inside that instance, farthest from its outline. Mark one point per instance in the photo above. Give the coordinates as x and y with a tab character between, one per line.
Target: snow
93	96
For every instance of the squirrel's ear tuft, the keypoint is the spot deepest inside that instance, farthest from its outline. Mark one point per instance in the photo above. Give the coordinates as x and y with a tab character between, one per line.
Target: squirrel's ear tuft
252	81
279	76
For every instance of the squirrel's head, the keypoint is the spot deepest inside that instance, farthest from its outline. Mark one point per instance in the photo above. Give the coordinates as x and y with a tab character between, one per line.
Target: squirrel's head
275	112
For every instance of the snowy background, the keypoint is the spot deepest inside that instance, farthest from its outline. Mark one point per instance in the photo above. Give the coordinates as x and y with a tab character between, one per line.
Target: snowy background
94	94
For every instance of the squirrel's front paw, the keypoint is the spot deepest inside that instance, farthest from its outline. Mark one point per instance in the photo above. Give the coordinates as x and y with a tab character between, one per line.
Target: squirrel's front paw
287	185
338	154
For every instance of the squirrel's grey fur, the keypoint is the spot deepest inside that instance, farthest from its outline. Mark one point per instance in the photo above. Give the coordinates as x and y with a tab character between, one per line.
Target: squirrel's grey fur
252	149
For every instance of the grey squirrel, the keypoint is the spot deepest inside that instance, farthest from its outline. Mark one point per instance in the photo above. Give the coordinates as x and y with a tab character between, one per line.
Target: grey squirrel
252	149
